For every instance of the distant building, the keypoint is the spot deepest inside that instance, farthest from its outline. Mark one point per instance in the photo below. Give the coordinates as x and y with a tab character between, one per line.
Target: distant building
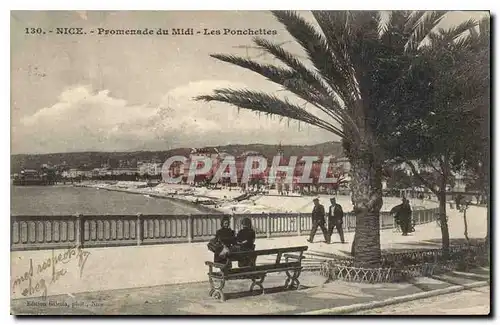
124	171
149	168
77	173
73	173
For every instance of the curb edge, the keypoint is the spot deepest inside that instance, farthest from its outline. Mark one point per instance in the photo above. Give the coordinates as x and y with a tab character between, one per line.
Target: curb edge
395	300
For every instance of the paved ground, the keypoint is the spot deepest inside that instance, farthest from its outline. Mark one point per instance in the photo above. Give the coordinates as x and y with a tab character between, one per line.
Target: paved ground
193	299
467	302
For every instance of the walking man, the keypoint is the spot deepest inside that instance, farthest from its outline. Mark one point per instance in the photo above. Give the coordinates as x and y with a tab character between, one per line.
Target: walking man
335	220
318	220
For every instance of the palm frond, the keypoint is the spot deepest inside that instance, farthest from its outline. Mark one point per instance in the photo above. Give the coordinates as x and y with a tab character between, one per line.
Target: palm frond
326	98
423	26
293	81
335	28
310	77
385	19
270	105
412	20
455	32
318	52
466	41
473	33
435	38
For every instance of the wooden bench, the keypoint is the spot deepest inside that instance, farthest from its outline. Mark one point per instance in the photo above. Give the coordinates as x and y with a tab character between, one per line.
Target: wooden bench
292	266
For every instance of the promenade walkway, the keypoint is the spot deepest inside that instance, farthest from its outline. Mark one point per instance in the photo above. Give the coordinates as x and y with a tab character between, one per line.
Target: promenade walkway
192	299
101	269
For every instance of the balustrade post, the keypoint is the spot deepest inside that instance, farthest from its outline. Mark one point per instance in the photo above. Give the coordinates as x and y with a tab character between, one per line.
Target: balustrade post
268	227
190	228
79	231
138	229
297	220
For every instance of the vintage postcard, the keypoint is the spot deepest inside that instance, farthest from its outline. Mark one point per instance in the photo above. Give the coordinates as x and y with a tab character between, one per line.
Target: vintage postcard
250	163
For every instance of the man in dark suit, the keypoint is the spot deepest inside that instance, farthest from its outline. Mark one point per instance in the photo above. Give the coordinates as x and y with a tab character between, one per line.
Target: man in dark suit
335	220
318	220
404	216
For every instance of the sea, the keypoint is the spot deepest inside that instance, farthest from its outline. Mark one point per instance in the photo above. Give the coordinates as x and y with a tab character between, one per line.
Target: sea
69	200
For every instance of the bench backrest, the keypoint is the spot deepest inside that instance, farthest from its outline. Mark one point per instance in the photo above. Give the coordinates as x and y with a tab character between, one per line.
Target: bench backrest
278	251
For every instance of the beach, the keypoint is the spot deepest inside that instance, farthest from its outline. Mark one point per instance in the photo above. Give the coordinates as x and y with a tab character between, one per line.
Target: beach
225	199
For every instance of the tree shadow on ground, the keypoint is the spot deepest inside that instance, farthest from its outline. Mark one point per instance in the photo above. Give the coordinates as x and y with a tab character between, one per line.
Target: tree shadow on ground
346	253
420	246
325	255
457	241
258	292
435	244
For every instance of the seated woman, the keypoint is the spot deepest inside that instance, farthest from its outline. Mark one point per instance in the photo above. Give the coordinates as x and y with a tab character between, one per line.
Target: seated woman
246	240
225	236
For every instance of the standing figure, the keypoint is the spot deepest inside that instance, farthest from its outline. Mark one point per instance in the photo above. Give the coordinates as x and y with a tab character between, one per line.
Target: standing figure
246	241
335	220
404	216
318	220
225	236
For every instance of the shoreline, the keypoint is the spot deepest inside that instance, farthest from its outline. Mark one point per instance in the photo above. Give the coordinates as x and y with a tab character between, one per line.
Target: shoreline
234	201
200	207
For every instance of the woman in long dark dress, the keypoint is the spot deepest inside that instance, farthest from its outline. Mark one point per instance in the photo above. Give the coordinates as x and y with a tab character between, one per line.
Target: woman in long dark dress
225	235
246	241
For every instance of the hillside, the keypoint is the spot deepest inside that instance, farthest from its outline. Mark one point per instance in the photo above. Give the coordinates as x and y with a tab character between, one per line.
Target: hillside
95	159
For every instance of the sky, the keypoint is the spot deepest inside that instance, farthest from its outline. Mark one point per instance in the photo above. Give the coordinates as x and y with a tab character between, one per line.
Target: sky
122	93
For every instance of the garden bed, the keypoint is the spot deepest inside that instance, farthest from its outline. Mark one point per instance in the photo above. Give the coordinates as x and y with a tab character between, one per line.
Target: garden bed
400	266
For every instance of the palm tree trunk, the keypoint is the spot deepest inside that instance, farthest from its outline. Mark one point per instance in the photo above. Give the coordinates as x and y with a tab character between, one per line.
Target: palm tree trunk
366	189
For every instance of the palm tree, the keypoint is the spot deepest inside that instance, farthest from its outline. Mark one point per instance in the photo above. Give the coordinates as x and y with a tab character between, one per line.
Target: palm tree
356	56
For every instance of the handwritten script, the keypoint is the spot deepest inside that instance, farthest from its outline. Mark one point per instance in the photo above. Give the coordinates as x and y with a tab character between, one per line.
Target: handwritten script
34	280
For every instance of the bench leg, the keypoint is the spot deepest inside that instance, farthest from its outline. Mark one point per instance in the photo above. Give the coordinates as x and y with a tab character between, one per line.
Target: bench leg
258	282
216	286
292	280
